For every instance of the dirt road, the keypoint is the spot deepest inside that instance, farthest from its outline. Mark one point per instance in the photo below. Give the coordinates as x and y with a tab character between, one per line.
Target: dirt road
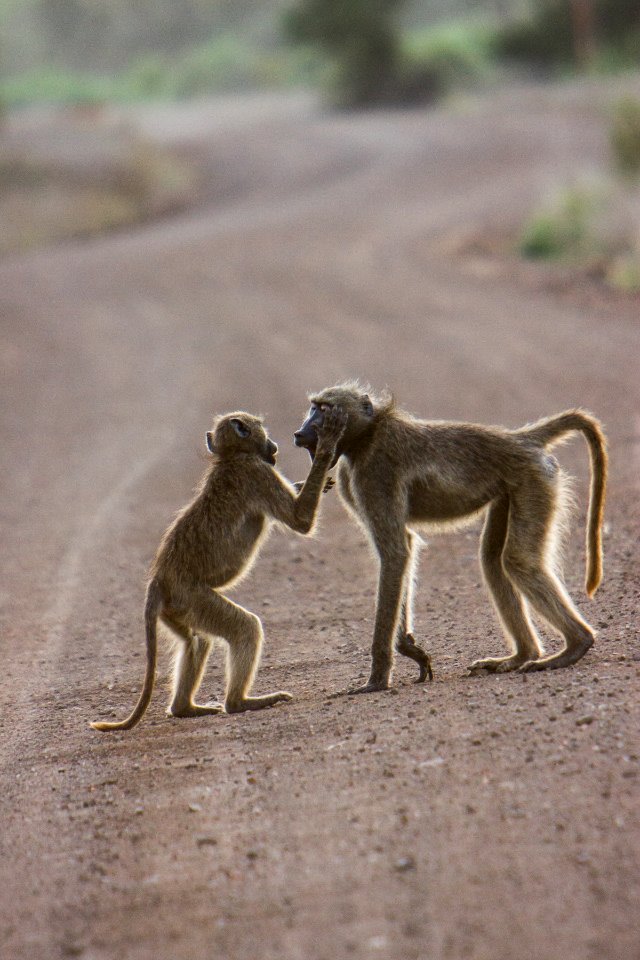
485	818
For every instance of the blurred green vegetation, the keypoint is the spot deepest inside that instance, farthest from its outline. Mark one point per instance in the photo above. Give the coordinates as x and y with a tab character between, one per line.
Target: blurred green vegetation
625	137
223	64
361	38
560	34
565	228
596	227
441	55
79	51
430	58
377	58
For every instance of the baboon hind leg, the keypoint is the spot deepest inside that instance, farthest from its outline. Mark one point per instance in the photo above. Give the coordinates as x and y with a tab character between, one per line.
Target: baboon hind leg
191	660
219	616
528	565
508	601
405	640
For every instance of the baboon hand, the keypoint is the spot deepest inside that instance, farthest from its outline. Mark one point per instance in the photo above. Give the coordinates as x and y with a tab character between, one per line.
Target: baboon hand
328	484
331	429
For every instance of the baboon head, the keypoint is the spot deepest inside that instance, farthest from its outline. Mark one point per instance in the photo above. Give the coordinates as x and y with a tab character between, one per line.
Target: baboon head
356	403
241	434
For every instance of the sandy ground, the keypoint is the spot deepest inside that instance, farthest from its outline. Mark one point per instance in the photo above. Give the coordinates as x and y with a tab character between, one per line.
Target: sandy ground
484	818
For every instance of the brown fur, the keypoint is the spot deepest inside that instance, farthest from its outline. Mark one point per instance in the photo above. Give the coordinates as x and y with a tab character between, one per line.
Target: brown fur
397	473
211	544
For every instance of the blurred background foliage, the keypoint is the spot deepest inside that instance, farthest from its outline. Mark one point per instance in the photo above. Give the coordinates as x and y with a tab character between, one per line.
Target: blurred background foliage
362	51
86	53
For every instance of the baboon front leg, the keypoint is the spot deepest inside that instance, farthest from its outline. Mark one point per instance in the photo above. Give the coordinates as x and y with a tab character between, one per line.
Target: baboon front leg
393	567
242	630
509	603
405	641
191	660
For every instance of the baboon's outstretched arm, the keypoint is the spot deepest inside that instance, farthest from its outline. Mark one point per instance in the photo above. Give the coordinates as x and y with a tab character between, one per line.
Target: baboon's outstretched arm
299	511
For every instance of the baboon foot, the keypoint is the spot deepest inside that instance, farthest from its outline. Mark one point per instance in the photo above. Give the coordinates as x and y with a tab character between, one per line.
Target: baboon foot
194	710
409	648
499	664
562	659
375	686
257	703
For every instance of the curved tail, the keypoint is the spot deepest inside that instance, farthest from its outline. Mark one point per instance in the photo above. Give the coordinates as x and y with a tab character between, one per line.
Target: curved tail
553	430
151	610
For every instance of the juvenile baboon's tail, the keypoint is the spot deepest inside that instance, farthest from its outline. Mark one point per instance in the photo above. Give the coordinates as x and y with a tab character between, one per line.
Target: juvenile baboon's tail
553	430
151	610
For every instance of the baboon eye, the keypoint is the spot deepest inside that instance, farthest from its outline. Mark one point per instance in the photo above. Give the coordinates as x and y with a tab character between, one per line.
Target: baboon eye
240	428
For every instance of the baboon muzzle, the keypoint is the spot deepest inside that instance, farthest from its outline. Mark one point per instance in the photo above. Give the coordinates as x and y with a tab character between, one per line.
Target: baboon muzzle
307	435
307	440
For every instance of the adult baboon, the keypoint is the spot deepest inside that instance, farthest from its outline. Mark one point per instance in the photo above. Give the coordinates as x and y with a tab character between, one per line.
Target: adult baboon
210	545
397	473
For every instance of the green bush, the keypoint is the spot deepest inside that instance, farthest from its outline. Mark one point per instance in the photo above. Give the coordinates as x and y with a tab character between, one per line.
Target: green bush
457	52
625	137
566	230
51	85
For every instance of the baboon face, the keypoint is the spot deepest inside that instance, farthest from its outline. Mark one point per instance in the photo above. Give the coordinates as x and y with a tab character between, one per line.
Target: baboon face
240	433
354	402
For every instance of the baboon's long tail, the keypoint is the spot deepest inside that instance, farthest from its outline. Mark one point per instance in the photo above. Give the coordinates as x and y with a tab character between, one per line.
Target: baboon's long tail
151	610
553	430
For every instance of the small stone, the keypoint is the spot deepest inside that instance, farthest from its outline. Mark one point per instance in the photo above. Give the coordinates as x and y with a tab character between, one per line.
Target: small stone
206	841
585	721
404	864
72	949
434	762
194	808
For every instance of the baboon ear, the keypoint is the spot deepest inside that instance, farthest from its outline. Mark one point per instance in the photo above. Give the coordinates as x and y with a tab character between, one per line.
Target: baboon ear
209	441
240	428
367	406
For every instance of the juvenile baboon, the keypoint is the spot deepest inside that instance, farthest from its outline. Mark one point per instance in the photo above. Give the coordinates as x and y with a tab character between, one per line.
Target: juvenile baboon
210	545
397	473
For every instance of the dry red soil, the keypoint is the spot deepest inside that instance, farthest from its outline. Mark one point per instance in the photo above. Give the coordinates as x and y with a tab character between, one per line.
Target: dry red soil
473	818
